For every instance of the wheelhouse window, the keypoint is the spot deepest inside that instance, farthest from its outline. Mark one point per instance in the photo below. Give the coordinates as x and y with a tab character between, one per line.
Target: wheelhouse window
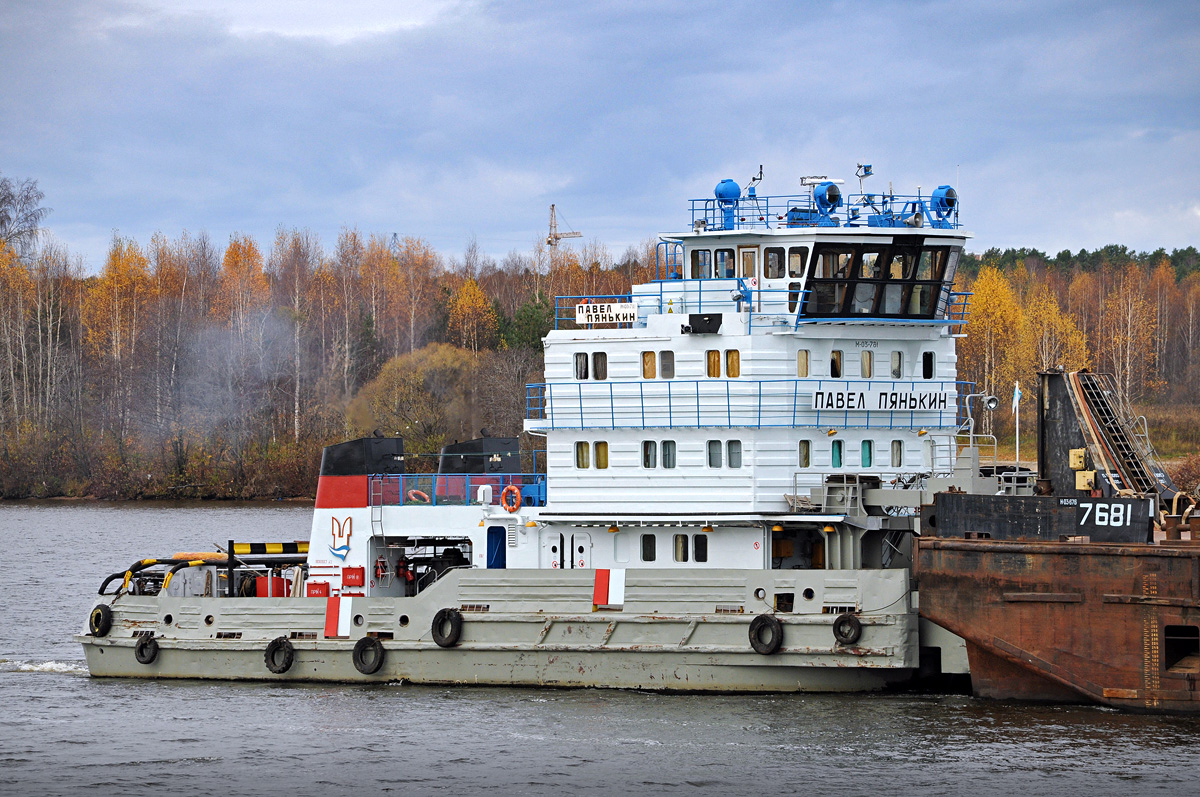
714	453
582	454
835	364
906	279
599	365
712	360
701	264
581	365
649	454
733	453
802	364
648	365
805	460
648	552
733	363
667	362
797	257
668	454
773	263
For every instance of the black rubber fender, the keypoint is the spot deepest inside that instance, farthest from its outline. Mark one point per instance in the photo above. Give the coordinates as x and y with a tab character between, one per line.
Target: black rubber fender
146	650
847	629
368	655
766	634
447	627
279	655
100	621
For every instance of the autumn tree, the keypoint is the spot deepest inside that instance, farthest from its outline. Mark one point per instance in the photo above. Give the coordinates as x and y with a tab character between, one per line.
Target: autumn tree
472	320
995	323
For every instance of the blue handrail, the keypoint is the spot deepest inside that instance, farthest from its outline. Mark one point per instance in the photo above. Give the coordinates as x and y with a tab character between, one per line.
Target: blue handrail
454	489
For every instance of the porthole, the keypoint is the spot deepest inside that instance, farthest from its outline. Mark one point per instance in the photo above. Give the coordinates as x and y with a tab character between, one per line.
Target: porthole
553	549
358	619
208	620
760	593
403	620
581	549
808	594
167	619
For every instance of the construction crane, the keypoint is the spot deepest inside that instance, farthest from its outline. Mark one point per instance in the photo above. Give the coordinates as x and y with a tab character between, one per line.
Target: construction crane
555	236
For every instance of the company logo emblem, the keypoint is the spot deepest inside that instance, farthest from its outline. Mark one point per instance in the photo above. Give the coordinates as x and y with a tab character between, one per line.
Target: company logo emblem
341	538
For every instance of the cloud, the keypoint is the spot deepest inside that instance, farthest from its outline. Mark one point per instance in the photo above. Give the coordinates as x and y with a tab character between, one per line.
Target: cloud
459	119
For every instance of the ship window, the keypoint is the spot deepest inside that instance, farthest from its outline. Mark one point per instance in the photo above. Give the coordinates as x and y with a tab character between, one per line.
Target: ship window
668	453
599	365
648	362
582	454
699	548
897	453
836	454
733	363
714	453
601	454
733	451
793	296
866	364
897	365
725	264
797	256
835	364
581	365
701	264
681	547
773	263
748	258
667	358
868	453
649	454
805	453
871	265
927	364
713	360
802	363
648	548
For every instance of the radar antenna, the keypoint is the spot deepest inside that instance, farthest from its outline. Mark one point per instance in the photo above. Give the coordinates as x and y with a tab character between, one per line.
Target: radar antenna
555	236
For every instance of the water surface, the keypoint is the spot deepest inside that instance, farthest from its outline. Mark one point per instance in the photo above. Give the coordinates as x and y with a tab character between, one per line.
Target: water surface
64	733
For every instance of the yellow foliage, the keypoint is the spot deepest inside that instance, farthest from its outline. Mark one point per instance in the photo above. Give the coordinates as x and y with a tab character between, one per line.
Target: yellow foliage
472	320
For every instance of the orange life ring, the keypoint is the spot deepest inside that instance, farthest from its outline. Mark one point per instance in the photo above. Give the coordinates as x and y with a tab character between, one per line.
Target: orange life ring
417	497
510	498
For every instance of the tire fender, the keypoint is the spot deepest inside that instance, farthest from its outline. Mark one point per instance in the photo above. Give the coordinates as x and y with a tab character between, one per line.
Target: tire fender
766	634
100	621
279	655
447	627
146	650
368	655
847	629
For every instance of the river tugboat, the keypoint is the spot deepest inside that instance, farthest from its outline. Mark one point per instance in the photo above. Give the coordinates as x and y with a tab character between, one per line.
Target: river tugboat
735	457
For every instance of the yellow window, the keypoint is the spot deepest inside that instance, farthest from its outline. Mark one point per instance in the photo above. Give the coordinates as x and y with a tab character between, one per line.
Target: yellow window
802	363
733	363
601	454
713	356
648	369
581	455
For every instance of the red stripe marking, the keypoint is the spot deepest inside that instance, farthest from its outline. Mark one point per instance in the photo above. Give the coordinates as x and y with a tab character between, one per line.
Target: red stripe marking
600	594
341	492
332	605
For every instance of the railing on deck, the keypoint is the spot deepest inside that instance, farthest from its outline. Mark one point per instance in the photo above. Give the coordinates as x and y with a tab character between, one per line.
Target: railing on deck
769	403
453	489
801	210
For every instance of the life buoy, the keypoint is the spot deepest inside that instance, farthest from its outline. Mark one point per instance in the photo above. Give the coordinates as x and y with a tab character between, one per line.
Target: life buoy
510	498
146	650
447	627
417	497
766	634
847	629
100	621
368	655
279	655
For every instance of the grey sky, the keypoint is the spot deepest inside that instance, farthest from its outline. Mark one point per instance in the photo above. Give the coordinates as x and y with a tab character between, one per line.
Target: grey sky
1072	124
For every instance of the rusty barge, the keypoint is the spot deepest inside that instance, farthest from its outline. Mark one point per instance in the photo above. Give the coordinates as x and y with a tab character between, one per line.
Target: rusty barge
1086	590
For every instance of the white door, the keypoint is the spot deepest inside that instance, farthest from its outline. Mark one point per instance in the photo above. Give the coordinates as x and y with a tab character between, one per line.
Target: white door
581	551
554	554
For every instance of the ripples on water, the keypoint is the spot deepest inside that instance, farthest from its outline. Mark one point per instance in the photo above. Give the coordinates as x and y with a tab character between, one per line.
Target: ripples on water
63	733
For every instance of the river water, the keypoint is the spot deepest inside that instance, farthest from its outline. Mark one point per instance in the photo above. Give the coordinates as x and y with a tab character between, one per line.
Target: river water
63	733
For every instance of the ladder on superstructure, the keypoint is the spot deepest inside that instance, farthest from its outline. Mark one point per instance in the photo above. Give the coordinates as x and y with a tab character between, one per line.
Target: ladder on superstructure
375	492
1132	460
